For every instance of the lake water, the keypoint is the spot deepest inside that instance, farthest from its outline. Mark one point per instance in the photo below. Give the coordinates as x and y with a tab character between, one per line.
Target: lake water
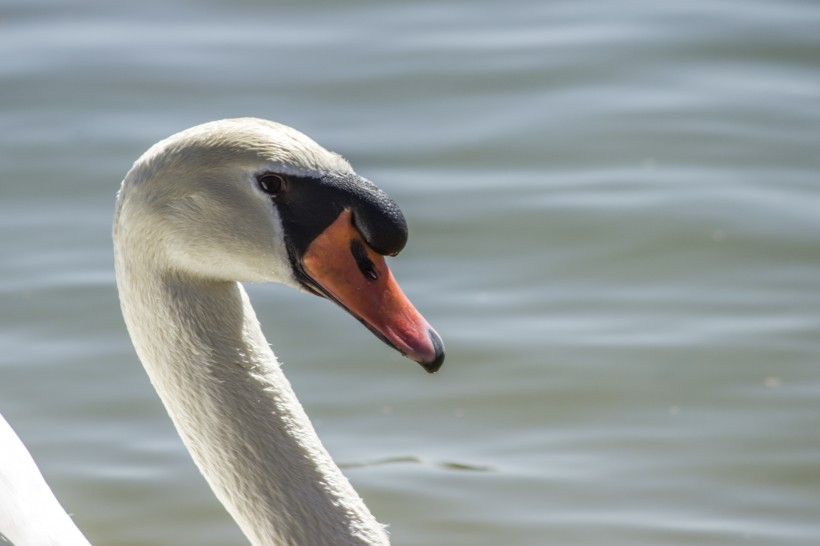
615	226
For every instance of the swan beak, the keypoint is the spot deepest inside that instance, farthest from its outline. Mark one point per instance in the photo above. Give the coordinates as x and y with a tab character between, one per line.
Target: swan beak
340	265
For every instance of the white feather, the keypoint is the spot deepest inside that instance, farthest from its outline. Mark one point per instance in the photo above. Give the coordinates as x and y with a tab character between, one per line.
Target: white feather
190	225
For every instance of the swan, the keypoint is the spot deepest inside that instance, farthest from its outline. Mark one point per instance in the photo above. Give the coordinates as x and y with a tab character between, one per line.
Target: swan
226	202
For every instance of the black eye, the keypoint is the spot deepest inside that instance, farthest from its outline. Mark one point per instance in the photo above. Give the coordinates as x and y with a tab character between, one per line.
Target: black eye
271	183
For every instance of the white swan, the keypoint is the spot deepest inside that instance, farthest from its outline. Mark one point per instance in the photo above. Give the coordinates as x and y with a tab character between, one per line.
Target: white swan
212	206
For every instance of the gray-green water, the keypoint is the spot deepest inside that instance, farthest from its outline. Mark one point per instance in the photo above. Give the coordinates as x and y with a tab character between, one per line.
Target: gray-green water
615	226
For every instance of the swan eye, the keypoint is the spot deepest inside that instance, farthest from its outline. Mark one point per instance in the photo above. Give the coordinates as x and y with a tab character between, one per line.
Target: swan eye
271	183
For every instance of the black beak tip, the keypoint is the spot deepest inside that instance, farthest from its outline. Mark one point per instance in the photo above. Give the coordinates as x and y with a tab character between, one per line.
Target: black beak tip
434	365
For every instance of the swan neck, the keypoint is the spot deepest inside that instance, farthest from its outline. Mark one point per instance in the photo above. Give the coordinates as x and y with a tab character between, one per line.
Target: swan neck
204	351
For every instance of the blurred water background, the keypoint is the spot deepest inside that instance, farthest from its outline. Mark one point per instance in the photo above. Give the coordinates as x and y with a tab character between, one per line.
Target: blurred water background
615	226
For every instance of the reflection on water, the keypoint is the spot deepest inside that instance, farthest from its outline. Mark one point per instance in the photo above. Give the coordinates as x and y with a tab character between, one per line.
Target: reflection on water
614	226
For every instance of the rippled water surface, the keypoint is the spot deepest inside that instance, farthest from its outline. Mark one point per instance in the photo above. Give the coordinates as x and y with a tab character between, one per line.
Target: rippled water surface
615	226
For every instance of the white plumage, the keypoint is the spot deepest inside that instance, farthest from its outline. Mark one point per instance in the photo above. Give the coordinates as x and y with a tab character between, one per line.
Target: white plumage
191	223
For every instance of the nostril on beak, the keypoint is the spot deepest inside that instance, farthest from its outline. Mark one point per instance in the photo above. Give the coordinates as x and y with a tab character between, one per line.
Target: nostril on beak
366	266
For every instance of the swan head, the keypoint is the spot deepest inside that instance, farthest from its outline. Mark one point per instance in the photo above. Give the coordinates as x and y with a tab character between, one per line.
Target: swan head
251	200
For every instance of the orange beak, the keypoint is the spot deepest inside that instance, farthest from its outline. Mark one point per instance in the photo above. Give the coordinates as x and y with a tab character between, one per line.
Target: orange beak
344	268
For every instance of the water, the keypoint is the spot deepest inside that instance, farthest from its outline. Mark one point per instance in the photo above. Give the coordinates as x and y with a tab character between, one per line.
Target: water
615	225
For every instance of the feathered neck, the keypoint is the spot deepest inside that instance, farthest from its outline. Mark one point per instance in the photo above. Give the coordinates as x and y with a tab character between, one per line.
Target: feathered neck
204	351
